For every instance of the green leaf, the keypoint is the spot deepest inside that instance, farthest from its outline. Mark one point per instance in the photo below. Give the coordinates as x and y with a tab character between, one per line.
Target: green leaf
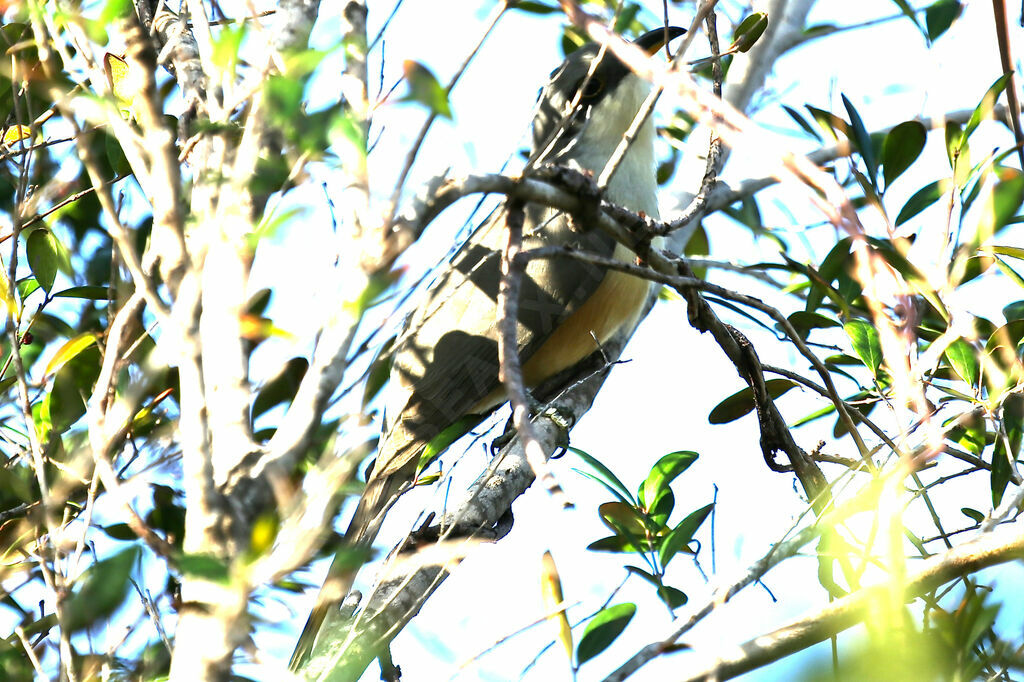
439	443
901	148
973	514
1014	311
205	566
829	122
26	286
535	7
866	343
380	371
101	590
682	534
664	471
69	350
803	322
425	89
749	30
741	402
92	293
940	15
907	11
802	122
964	360
41	251
602	630
673	597
1001	205
1007	449
862	140
623	519
604	473
831	267
120	531
986	105
614	543
282	388
922	199
66	402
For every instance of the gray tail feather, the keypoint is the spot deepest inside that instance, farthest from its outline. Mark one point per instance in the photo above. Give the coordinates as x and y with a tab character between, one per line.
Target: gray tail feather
360	535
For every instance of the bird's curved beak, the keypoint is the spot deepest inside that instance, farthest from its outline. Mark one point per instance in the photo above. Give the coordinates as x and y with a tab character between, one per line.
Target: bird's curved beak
652	41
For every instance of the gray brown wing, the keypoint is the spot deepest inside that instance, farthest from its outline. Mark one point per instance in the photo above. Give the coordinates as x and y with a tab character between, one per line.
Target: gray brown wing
448	360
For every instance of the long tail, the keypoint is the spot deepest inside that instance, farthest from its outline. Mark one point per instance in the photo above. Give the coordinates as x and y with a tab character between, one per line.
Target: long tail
359	537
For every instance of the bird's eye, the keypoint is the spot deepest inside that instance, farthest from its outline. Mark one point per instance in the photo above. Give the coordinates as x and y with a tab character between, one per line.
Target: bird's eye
592	88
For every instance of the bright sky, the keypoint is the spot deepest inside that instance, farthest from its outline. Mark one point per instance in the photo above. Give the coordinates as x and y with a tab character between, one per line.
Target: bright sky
659	401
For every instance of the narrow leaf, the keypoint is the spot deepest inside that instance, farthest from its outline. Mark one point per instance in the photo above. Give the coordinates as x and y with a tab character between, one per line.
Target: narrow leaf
551	593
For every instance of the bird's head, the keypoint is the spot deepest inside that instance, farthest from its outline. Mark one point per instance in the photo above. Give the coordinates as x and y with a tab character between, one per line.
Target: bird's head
607	96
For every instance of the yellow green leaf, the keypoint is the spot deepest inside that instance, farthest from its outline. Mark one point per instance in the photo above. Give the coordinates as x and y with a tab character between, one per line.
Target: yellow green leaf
15	134
551	591
68	351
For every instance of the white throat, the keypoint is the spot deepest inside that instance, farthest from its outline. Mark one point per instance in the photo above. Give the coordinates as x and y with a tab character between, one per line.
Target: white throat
634	185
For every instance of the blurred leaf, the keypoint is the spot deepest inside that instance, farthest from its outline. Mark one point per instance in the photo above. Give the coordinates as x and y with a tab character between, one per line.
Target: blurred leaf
264	533
1000	206
120	79
964	360
535	7
282	388
68	351
425	89
551	591
749	31
829	122
973	514
940	15
682	534
102	588
1007	449
42	253
1014	311
205	566
901	148
866	343
741	402
603	629
26	286
88	292
66	402
802	122
120	531
907	10
862	141
13	136
380	371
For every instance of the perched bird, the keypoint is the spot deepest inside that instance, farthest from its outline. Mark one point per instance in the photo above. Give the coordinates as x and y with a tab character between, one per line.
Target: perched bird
446	362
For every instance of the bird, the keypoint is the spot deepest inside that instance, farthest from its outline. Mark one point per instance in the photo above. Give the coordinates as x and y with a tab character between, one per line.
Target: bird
445	363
